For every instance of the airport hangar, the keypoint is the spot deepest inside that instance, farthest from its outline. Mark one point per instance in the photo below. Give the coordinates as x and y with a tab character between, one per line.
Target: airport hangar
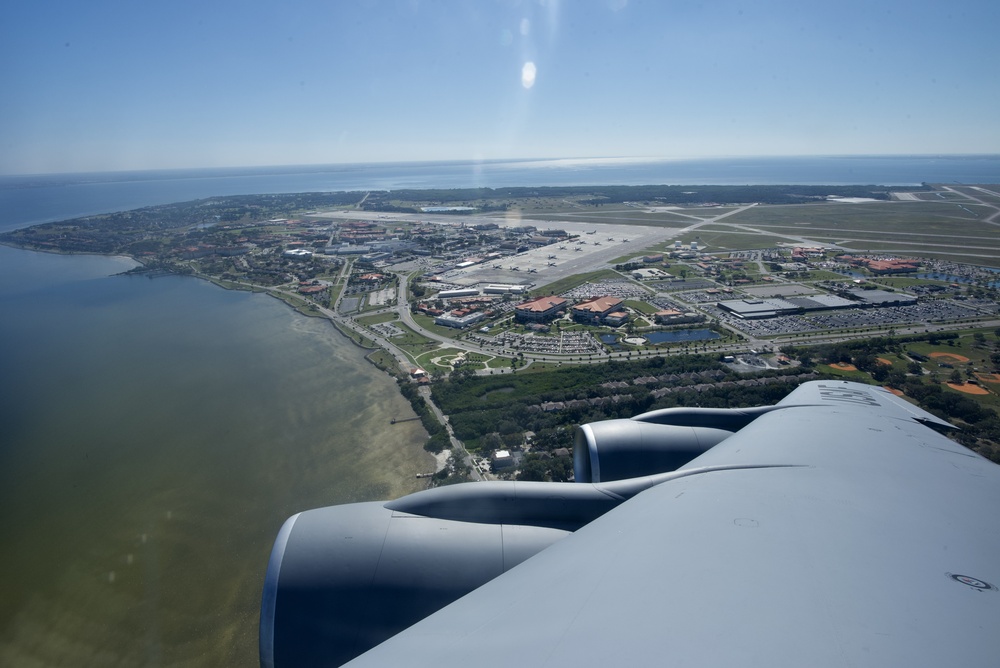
754	309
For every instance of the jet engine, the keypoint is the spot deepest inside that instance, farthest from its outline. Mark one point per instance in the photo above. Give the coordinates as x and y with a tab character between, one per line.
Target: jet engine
342	579
620	449
654	442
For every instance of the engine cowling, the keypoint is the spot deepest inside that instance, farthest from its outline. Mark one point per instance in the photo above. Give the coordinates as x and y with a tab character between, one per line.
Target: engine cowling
344	578
654	442
621	449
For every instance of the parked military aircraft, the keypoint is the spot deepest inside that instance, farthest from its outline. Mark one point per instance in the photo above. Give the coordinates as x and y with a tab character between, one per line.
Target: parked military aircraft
835	528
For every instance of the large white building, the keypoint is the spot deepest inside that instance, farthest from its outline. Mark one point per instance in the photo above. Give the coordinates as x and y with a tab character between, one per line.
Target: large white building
459	319
505	289
755	308
461	292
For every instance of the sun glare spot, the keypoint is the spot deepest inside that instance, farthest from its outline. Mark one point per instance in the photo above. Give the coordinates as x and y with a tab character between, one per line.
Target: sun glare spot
528	74
525	27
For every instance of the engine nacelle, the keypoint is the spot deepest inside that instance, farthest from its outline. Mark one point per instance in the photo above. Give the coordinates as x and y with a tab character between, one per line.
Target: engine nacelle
654	442
620	449
344	578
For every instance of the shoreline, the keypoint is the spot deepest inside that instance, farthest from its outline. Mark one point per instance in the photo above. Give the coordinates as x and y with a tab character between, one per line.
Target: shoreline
140	265
183	463
138	270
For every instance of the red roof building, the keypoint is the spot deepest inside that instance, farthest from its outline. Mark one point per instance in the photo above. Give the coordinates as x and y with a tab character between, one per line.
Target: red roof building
593	311
539	309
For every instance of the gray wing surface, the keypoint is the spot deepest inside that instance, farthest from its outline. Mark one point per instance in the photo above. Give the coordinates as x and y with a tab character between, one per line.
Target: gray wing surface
862	538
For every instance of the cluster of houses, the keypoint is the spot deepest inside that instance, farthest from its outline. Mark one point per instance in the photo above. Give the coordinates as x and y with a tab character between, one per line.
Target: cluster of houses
314	287
468	310
802	253
882	266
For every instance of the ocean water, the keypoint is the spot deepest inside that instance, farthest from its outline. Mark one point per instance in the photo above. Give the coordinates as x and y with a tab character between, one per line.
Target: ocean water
154	434
40	198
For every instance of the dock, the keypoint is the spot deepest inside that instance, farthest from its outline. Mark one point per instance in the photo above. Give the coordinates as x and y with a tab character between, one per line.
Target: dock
409	419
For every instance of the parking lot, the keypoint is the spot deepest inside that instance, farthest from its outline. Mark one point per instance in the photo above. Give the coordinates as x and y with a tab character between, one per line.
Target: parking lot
941	310
565	343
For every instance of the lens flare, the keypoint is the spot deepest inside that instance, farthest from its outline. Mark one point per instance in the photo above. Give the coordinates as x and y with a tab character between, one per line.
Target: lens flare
528	74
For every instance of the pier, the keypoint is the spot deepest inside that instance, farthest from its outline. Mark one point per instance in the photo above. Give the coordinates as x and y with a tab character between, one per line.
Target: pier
408	419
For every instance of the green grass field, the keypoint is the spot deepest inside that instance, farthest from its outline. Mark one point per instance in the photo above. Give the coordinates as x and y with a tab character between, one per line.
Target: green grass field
414	344
944	359
942	224
936	229
427	322
717	237
641	307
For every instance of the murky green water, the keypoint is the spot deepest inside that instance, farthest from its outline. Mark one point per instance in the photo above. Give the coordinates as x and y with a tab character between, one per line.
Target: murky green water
154	435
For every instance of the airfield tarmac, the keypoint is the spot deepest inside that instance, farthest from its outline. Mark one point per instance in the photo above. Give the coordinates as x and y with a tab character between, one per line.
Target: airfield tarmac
597	246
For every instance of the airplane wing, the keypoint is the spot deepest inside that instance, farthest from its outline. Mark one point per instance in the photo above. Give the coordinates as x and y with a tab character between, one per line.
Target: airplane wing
834	529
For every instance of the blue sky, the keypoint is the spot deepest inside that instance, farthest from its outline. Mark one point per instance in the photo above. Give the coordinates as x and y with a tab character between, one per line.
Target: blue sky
109	85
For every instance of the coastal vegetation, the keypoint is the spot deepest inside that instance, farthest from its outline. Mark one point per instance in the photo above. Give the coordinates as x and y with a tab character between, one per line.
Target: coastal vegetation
155	230
494	199
540	410
537	413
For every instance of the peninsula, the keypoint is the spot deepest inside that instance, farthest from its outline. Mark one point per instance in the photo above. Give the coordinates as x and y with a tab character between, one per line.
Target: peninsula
509	314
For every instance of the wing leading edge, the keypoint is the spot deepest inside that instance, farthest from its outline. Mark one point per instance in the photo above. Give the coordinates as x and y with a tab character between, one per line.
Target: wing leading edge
841	532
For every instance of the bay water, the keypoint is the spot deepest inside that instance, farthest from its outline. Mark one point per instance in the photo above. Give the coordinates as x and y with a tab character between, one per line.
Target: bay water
154	435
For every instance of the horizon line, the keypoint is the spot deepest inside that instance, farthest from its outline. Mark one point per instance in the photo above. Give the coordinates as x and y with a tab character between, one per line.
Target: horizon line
550	161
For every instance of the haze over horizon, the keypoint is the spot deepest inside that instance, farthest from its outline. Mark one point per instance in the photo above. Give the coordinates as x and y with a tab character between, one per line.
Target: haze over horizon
109	86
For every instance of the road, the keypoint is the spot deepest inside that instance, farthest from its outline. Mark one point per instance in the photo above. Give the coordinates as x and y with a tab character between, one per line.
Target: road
457	447
592	249
403	359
